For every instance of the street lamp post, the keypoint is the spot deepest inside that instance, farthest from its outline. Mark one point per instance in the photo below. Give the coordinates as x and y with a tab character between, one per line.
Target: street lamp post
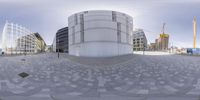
25	45
143	44
143	48
58	49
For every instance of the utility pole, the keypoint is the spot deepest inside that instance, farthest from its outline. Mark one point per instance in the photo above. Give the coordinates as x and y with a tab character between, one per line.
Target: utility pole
41	47
172	48
143	48
25	45
162	42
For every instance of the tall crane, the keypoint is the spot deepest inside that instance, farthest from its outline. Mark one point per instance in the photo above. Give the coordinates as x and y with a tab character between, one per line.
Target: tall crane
195	31
163	28
164	39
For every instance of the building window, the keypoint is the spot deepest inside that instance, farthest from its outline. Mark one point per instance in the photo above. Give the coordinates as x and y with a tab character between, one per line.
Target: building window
82	27
114	17
85	12
76	19
118	32
127	30
73	34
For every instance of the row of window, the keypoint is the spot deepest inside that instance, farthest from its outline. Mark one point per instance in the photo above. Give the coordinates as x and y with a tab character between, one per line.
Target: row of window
114	17
94	28
138	39
18	29
82	28
118	32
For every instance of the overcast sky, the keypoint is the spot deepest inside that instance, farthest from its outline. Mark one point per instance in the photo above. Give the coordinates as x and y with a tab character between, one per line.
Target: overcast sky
47	16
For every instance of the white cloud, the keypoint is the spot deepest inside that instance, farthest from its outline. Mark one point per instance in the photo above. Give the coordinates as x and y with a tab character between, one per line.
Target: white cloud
176	1
47	16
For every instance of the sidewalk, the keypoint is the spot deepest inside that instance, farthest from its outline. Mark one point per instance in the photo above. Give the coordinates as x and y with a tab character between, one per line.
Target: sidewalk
152	53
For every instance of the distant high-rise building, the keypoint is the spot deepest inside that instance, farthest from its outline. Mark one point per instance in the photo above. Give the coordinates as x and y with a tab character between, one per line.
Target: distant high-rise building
60	42
163	42
152	47
17	39
156	44
139	40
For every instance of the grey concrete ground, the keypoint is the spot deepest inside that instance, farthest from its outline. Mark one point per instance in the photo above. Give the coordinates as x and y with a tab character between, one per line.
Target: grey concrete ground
129	77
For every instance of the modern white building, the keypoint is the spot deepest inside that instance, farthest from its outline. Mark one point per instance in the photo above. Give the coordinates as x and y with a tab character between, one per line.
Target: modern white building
31	43
17	39
100	33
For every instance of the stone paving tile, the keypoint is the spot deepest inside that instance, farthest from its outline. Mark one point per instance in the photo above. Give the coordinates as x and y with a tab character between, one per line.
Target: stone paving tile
127	76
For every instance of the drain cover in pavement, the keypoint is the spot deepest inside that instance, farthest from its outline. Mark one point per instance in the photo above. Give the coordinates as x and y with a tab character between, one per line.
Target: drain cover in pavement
23	59
23	74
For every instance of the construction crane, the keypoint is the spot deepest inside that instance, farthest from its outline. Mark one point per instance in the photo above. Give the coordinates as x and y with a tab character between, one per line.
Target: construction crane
163	36
163	29
195	31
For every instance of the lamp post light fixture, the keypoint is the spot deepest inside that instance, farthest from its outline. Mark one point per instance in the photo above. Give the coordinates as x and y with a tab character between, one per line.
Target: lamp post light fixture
144	46
58	49
144	49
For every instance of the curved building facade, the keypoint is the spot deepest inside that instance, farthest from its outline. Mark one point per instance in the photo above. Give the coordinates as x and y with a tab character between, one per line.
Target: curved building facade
100	33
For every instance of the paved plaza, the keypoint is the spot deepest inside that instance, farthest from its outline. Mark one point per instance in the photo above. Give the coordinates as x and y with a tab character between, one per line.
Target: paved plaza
128	77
